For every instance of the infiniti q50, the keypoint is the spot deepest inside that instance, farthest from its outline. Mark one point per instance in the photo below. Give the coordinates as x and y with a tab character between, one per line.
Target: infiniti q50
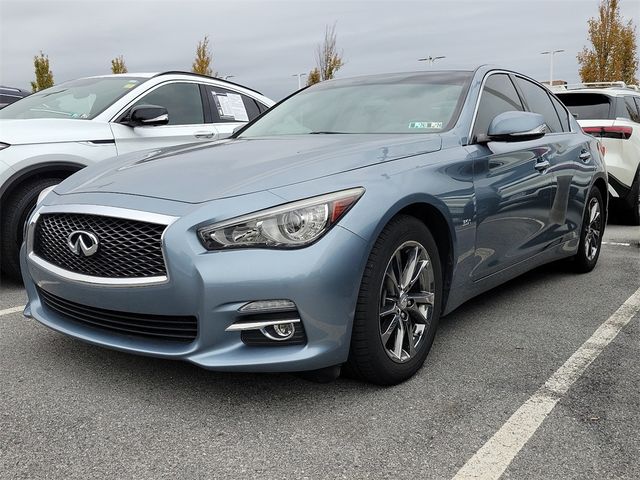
333	231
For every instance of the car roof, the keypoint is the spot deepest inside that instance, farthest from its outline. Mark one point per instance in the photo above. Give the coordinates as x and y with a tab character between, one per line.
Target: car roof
613	91
399	77
13	90
150	75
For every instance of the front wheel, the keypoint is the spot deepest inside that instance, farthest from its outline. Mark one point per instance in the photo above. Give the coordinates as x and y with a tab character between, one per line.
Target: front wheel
591	234
398	305
15	212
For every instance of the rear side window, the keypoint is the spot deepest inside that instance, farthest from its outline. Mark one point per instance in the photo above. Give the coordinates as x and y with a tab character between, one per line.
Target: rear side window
539	101
230	106
498	96
562	114
631	109
587	106
182	101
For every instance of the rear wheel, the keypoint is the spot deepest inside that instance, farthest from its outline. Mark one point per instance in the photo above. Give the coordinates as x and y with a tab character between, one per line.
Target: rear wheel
634	200
15	212
591	234
398	305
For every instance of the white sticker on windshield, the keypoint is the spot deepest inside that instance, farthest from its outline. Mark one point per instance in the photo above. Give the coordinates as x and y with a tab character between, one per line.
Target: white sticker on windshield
432	125
231	106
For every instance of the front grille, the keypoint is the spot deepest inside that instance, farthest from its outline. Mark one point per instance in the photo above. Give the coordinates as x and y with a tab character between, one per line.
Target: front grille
126	248
172	328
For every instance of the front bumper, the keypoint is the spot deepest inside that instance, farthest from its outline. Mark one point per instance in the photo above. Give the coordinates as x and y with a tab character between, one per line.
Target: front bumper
322	280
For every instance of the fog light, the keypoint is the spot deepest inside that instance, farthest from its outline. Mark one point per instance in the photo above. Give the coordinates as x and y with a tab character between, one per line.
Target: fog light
284	330
279	332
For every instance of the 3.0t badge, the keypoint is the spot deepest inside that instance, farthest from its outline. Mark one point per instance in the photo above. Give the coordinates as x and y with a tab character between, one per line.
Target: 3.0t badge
83	243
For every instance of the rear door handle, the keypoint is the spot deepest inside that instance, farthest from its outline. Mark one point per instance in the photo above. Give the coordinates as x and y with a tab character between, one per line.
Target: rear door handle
585	155
204	134
542	165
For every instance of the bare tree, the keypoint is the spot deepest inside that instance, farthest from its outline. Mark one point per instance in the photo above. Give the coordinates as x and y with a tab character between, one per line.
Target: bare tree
328	60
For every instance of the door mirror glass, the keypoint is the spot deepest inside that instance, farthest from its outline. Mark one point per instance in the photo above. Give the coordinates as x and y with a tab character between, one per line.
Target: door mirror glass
515	127
147	115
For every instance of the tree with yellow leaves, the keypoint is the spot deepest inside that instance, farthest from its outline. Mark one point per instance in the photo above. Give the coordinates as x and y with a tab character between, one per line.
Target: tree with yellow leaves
204	58
613	54
44	76
118	65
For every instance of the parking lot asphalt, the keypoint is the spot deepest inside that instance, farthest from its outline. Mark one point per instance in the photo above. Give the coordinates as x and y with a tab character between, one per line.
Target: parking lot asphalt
71	410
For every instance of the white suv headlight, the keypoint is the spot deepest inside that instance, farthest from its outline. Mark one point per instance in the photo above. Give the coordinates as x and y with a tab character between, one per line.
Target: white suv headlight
291	225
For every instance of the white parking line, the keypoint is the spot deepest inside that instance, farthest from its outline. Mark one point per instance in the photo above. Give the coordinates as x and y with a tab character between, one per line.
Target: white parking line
618	244
496	455
9	311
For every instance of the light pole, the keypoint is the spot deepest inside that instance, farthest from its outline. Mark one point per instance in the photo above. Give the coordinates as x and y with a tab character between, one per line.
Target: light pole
299	75
431	60
551	53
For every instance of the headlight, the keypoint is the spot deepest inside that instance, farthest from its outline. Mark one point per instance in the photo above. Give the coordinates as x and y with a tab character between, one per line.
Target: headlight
288	226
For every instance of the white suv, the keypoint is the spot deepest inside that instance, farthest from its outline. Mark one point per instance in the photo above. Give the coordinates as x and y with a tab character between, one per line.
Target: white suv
611	112
51	134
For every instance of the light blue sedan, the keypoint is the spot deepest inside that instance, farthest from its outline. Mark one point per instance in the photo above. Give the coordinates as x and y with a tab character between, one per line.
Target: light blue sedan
333	231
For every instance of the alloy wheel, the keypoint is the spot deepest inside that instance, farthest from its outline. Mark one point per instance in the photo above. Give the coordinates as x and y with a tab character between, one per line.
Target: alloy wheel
594	229
406	302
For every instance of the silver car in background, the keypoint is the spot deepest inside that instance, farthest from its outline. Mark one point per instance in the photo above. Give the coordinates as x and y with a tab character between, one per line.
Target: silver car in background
51	134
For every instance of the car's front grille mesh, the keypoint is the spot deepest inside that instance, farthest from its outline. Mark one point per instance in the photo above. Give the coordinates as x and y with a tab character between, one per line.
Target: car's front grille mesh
126	248
160	327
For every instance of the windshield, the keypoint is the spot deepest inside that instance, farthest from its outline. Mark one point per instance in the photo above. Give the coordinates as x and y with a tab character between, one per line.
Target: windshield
81	99
417	103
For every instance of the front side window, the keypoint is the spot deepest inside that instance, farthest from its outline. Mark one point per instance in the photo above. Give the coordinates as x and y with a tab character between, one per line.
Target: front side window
82	99
498	96
538	100
423	103
182	101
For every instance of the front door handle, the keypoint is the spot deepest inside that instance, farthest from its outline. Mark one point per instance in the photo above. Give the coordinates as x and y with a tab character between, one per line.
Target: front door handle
204	134
585	155
542	165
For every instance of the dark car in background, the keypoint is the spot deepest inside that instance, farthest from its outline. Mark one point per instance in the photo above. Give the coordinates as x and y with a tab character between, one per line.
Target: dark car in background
9	95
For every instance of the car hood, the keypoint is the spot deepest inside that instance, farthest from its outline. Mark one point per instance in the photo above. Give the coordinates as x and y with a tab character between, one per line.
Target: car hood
52	130
198	173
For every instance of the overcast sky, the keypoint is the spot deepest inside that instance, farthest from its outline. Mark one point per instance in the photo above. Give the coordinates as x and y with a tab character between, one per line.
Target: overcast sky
264	43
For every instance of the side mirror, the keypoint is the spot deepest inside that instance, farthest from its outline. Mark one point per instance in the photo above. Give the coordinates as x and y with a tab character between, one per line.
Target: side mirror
515	127
147	115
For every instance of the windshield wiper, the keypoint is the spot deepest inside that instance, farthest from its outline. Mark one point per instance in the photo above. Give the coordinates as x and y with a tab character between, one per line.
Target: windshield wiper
327	132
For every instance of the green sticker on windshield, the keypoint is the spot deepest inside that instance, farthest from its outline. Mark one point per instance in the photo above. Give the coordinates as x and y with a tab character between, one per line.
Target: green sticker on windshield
431	125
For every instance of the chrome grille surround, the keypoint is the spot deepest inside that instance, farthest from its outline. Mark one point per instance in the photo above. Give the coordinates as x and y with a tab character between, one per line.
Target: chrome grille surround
126	270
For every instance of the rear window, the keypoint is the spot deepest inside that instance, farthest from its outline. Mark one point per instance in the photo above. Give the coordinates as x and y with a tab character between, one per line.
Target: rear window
587	106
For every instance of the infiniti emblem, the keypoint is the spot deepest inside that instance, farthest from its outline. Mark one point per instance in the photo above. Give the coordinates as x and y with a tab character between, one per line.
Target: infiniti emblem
82	243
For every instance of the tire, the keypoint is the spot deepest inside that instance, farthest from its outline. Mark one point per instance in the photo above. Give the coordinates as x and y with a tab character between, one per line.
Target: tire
370	357
633	203
15	212
590	234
